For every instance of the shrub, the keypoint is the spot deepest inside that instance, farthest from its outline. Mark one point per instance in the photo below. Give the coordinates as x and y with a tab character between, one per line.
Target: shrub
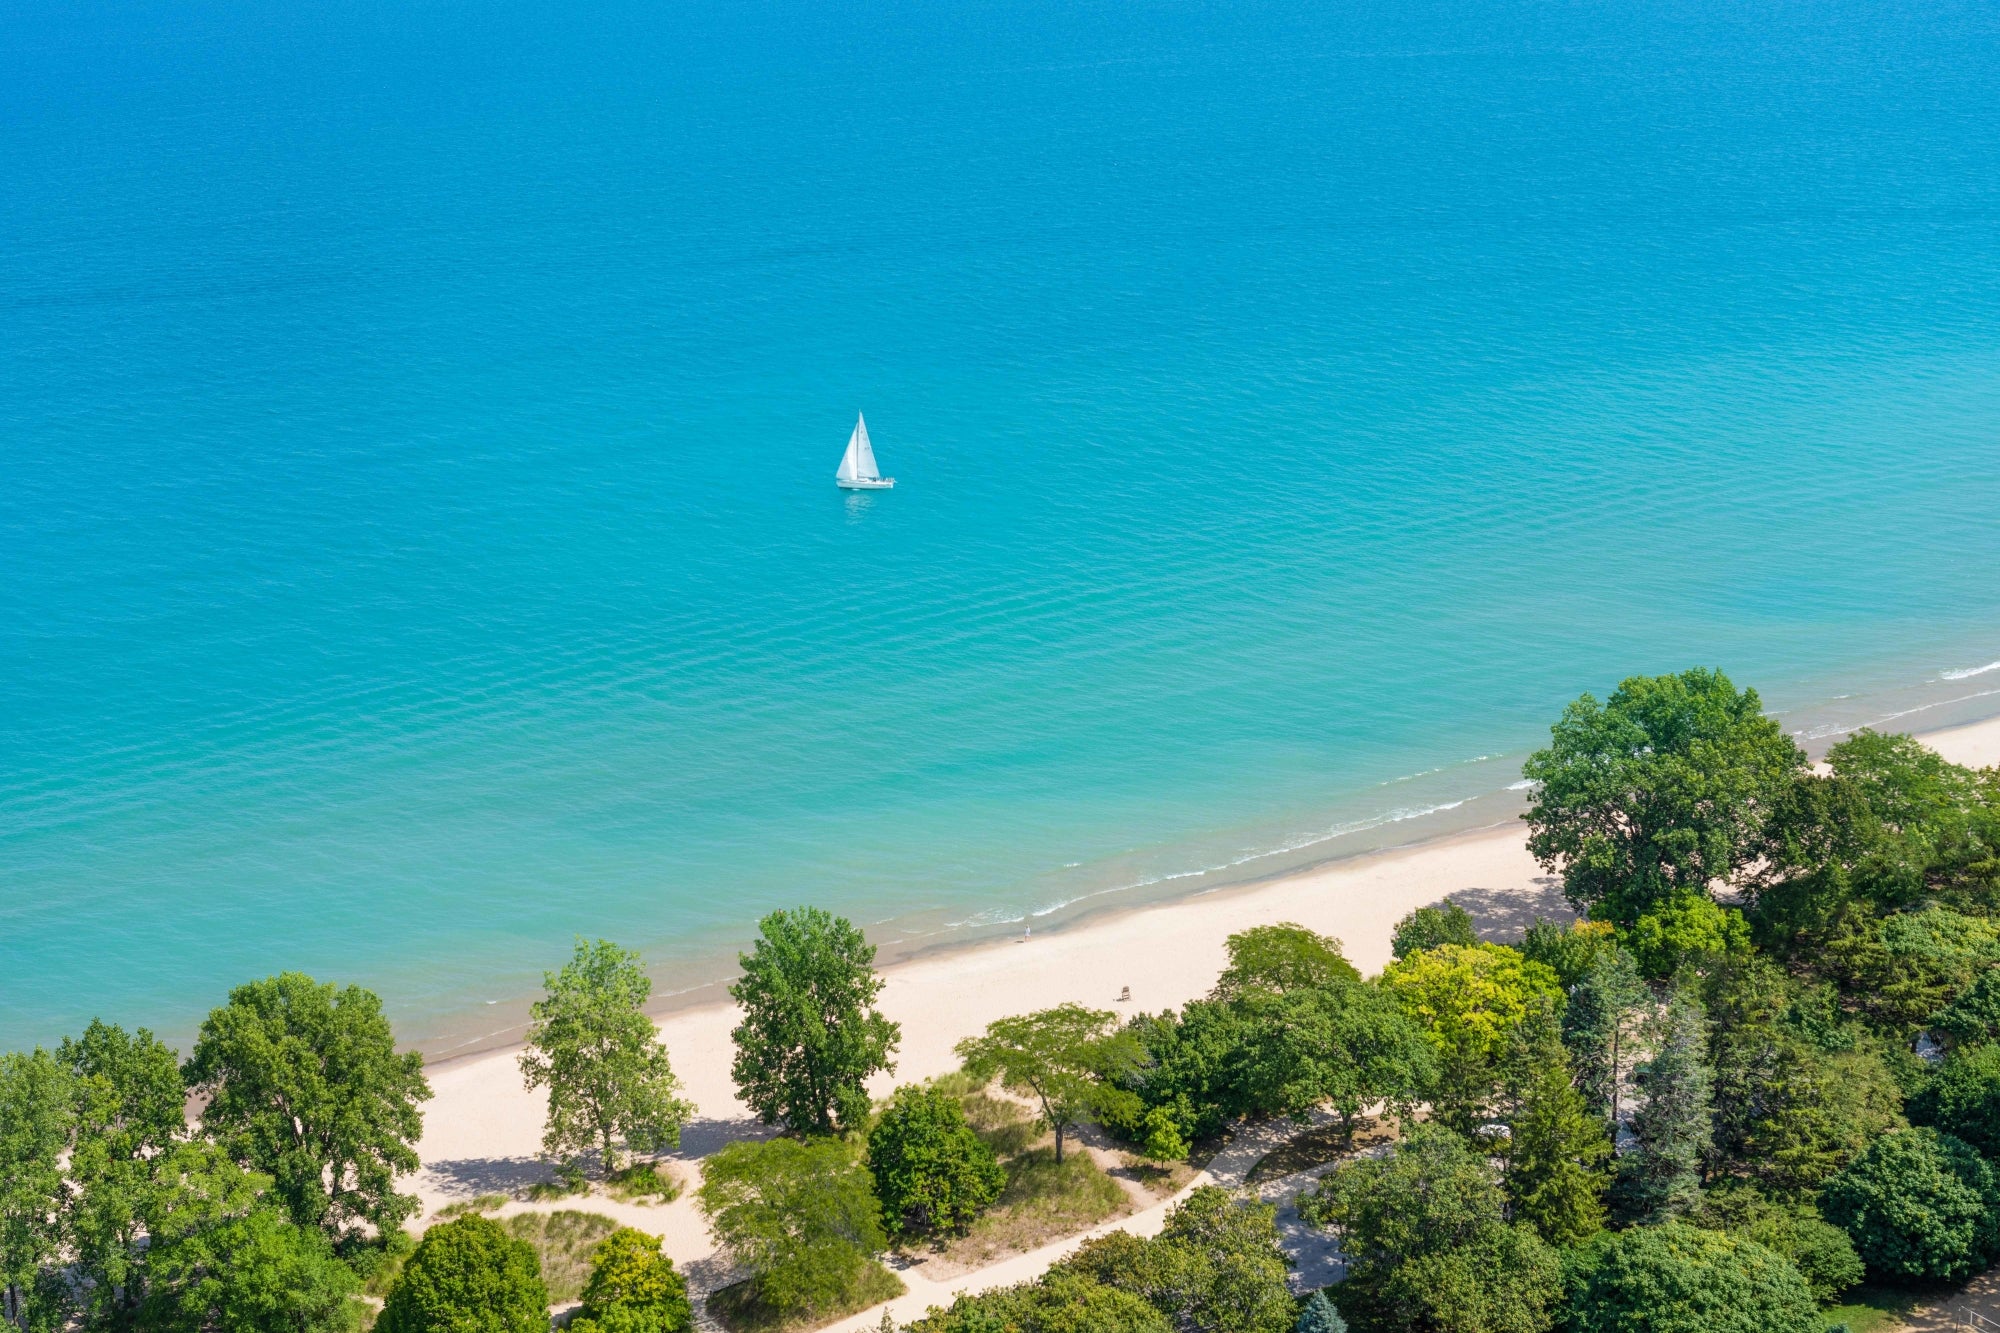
633	1288
468	1274
1216	1267
1061	1302
1821	1252
1918	1205
1678	1278
801	1218
932	1173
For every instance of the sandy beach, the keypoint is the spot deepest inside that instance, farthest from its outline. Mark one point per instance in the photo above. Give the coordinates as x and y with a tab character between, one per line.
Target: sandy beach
482	1130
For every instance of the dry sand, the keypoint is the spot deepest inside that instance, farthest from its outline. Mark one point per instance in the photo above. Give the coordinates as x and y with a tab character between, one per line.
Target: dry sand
483	1129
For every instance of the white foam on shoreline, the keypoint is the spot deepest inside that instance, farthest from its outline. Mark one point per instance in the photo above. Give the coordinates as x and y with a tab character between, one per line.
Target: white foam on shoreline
1966	673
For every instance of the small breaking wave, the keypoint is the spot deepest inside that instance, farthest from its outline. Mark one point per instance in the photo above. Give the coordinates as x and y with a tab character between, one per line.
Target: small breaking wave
1966	673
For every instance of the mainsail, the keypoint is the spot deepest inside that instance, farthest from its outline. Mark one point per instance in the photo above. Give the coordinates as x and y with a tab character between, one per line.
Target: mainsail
858	463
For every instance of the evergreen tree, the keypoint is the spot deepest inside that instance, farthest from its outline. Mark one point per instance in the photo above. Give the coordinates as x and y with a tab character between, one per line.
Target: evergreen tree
1556	1148
1317	1315
1605	1009
1661	1177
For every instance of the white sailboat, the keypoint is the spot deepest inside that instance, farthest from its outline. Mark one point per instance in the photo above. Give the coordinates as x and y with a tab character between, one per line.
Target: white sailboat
857	466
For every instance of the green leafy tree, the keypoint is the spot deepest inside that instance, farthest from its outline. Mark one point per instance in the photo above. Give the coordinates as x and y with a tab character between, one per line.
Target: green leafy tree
591	1045
810	1036
1346	1045
1678	1278
1216	1267
1317	1315
305	1084
1427	1245
1070	1059
1686	929
1822	1252
1469	999
37	1119
130	1112
1963	1099
468	1276
1905	967
1555	1149
633	1288
933	1174
1607	1008
800	1217
1661	1176
1281	958
259	1272
1568	951
1665	786
1973	1019
1919	1205
1060	1302
1428	927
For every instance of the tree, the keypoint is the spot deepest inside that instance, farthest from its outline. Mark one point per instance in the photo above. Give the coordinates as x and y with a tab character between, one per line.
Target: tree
1317	1315
1605	1009
932	1173
1661	1176
1347	1044
1681	1279
1281	958
1428	927
1427	1246
305	1084
1907	966
1568	951
1555	1149
1973	1019
799	1217
633	1288
1919	1205
1664	786
1068	1058
592	1046
1469	999
1963	1099
1059	1302
810	1036
1686	929
1821	1252
258	1273
468	1275
37	1118
1216	1267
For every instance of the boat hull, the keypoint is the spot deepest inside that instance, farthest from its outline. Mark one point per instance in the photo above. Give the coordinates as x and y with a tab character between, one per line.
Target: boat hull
862	484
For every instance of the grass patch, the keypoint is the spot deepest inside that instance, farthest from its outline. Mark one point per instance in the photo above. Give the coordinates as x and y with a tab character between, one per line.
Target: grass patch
565	1242
564	1186
643	1182
1161	1178
1040	1202
485	1203
1317	1147
1007	1127
734	1309
1872	1309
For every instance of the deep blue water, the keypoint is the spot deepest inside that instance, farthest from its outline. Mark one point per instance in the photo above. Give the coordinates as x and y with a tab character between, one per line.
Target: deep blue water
417	424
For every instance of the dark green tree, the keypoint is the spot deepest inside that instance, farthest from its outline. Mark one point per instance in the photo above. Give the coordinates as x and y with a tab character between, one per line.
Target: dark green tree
800	1217
1347	1045
933	1174
633	1288
1427	1246
1216	1267
1317	1315
1821	1252
257	1273
465	1275
1682	1279
1428	927
1664	786
810	1036
1973	1019
1919	1205
592	1046
37	1119
305	1085
1606	1010
1281	958
1568	951
1556	1149
1963	1099
1661	1176
1073	1061
1060	1302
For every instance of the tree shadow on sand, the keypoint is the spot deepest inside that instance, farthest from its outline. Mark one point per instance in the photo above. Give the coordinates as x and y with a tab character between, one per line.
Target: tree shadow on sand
1502	916
470	1177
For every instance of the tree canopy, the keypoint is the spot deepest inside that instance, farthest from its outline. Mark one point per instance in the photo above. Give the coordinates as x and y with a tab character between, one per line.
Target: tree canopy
1918	1205
933	1174
1469	999
800	1217
468	1276
1281	958
1665	786
633	1288
810	1036
1682	1279
1068	1058
1216	1267
1428	927
305	1084
590	1043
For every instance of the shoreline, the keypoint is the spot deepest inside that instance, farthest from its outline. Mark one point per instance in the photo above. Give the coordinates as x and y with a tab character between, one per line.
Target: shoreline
1817	727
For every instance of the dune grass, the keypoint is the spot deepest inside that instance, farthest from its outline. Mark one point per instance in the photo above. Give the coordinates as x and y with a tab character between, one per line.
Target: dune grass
643	1182
485	1203
564	1240
736	1311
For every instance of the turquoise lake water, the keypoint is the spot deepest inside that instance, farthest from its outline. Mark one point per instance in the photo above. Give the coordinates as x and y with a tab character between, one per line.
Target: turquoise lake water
417	425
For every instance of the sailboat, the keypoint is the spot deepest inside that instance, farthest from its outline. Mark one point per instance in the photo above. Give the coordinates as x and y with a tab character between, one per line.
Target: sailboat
857	466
